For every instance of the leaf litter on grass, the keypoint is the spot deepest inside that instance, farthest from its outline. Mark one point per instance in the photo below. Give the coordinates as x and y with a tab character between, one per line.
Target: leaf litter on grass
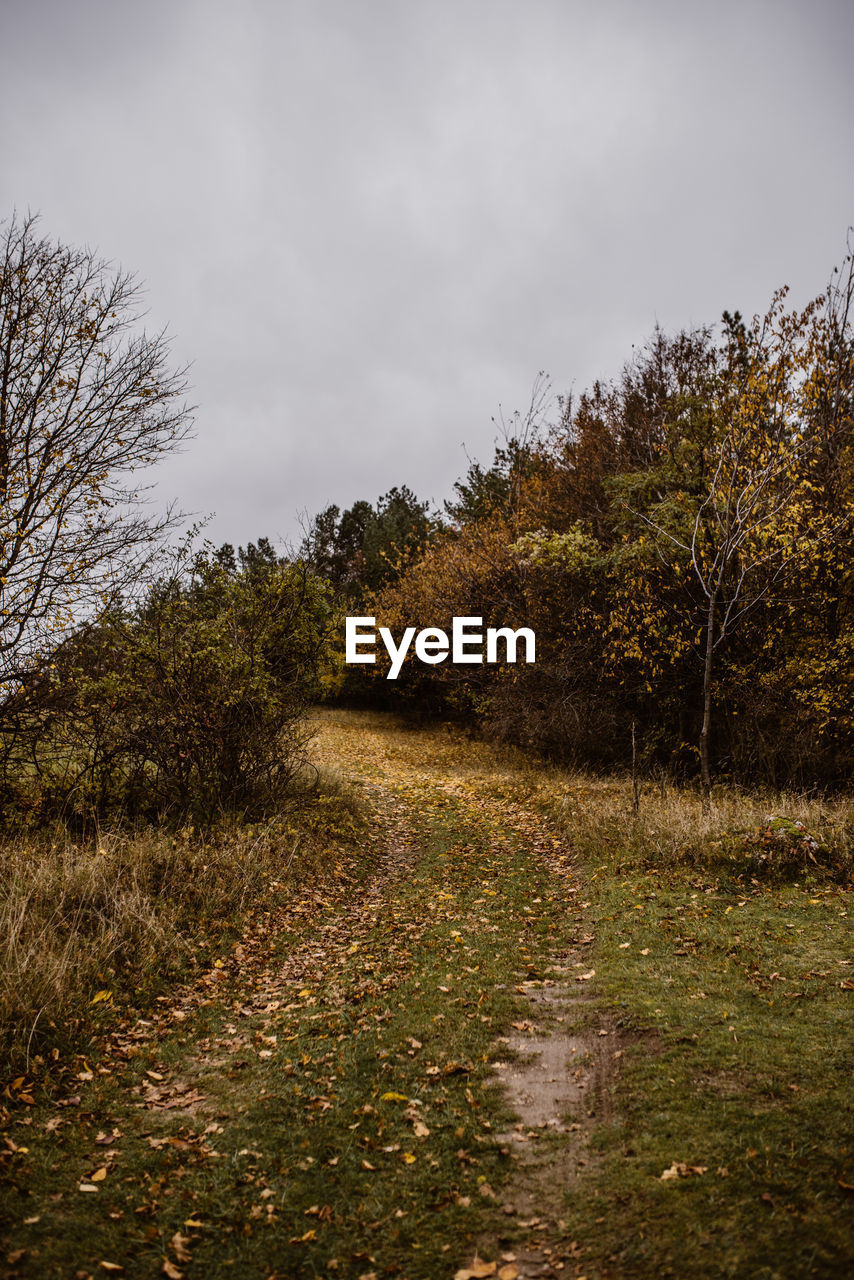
180	1079
335	1081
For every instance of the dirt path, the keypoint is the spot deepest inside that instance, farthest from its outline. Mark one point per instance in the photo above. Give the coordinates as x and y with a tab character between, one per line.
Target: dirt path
396	1075
557	1062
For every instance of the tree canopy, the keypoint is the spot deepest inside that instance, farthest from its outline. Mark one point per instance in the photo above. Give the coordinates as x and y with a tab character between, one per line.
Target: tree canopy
680	539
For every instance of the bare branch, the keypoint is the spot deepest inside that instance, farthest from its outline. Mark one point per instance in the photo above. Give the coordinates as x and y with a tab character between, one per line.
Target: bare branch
86	402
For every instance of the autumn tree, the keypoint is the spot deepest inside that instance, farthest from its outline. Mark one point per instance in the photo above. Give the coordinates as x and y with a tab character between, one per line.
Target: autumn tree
744	527
681	542
87	400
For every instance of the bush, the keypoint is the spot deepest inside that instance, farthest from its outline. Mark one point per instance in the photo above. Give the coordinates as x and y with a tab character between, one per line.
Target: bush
783	849
187	706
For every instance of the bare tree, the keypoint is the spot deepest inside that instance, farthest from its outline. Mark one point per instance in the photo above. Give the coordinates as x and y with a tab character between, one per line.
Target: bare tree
86	400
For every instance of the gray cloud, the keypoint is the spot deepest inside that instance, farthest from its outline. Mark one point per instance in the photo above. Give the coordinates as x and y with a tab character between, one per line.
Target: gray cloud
368	225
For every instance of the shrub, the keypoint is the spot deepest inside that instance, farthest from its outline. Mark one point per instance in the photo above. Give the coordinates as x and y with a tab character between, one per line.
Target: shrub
186	706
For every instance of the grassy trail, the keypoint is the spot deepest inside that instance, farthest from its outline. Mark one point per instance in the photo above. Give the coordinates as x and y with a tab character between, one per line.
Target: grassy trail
326	1100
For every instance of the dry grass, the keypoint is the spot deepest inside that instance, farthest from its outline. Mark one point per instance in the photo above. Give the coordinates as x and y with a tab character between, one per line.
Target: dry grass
125	913
670	827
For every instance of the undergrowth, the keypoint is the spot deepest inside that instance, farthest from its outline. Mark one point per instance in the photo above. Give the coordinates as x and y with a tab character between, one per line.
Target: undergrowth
745	837
116	918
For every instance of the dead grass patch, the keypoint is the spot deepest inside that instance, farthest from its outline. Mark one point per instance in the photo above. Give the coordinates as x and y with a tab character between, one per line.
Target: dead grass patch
84	924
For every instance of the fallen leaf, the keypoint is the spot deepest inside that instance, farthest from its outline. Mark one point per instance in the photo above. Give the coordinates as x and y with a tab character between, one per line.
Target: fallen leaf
178	1245
680	1170
477	1270
169	1269
99	1175
509	1272
110	1266
393	1097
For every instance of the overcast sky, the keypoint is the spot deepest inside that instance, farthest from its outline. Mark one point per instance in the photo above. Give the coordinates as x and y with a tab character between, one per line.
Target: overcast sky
369	224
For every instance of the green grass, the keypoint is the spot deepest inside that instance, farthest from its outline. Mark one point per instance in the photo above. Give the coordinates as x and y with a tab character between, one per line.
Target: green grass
411	1008
735	1070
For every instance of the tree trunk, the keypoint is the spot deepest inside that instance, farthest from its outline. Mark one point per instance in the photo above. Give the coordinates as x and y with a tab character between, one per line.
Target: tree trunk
705	769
